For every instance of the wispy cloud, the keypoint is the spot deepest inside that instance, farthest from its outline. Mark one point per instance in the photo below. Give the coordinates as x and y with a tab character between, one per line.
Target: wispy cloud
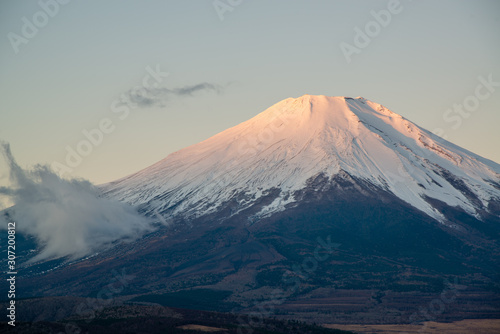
150	97
67	217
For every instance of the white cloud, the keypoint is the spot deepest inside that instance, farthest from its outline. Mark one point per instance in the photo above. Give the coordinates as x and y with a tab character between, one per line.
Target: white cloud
67	217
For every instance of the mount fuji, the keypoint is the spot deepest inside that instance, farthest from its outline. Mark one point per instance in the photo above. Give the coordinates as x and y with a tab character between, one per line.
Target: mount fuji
249	211
275	154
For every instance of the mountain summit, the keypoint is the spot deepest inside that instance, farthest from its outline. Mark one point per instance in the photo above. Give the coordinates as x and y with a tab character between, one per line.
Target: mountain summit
270	158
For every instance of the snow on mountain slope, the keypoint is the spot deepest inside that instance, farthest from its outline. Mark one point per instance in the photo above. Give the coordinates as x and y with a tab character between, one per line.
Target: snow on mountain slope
299	138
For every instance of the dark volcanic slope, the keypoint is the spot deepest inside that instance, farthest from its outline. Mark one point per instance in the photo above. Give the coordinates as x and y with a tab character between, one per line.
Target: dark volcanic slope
363	239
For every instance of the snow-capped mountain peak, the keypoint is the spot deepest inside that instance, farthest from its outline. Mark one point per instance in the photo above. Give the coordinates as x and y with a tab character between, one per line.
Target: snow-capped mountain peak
298	139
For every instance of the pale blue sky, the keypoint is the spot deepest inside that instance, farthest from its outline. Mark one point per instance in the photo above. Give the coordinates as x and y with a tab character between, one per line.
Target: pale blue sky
65	78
